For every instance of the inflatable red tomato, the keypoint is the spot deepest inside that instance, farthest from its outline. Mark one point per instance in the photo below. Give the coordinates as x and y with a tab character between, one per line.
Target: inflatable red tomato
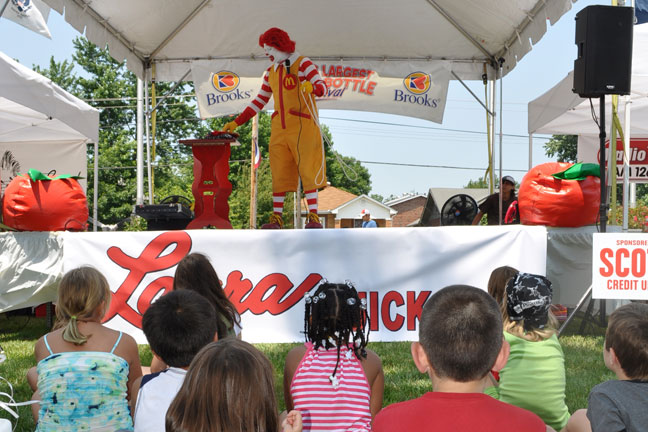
545	200
35	202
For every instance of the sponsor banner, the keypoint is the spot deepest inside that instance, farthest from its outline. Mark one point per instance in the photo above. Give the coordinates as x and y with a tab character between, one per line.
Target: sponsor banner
421	91
619	266
266	274
61	158
589	151
31	14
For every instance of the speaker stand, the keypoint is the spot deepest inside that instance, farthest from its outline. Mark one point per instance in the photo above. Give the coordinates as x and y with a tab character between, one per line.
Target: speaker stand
603	227
603	206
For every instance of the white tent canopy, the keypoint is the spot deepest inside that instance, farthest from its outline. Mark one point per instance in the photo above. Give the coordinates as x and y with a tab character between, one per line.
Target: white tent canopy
41	125
171	33
560	111
476	37
33	108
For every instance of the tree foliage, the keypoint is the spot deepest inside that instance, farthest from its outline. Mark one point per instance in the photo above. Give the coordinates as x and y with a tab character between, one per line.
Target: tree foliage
562	147
480	183
111	88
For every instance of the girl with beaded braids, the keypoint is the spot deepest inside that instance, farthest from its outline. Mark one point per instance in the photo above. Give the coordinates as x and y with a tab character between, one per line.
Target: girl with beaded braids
334	380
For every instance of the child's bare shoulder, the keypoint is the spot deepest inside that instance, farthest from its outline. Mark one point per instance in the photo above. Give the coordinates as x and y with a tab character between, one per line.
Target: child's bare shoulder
295	355
373	358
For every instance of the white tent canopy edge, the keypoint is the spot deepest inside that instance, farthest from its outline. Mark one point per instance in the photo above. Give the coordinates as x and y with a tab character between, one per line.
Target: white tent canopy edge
170	34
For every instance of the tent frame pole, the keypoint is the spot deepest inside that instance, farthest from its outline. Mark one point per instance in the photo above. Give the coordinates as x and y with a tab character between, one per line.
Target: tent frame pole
139	195
4	7
149	147
466	34
471	92
626	162
530	151
95	197
491	134
501	137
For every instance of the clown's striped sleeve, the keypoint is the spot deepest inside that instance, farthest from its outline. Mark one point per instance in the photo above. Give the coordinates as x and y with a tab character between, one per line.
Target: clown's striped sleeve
257	103
308	71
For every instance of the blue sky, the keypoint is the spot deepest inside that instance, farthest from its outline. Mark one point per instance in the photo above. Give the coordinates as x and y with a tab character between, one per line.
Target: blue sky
459	142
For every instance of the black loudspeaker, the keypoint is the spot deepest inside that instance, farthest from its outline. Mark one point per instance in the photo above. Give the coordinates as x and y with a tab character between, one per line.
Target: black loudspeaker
604	40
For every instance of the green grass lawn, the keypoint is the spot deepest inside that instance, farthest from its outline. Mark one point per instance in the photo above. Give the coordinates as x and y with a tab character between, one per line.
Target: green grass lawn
583	362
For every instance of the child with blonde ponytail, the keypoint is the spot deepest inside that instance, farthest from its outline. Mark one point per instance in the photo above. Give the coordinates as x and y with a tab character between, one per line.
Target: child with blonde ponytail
85	370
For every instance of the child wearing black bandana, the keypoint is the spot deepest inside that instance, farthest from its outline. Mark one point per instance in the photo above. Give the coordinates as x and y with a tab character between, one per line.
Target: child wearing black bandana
534	376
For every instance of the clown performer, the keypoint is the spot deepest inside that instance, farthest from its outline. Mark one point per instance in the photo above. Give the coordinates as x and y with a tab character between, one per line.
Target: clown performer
296	147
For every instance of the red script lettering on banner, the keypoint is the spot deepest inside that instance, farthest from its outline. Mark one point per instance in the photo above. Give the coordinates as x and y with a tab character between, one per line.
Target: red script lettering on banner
274	293
240	292
150	260
267	296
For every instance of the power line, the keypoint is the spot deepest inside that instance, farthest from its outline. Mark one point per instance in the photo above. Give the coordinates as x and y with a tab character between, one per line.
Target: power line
435	166
425	127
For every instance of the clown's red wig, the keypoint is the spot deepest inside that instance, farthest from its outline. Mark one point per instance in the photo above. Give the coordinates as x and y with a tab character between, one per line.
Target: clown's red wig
277	38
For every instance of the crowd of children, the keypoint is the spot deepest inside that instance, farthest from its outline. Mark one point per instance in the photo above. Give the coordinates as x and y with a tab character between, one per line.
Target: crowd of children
493	358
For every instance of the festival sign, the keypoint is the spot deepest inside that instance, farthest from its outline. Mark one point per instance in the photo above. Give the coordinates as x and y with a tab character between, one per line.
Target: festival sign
589	150
415	90
619	266
266	274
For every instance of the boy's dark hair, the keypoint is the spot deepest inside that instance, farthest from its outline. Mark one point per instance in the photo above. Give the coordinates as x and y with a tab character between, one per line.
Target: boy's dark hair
461	332
178	325
336	316
627	333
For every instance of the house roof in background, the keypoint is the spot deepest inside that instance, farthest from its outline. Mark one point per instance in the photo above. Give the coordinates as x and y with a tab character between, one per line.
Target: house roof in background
403	199
331	198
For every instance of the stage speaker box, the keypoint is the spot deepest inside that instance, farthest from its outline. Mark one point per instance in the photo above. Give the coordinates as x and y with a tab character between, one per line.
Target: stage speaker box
163	217
604	40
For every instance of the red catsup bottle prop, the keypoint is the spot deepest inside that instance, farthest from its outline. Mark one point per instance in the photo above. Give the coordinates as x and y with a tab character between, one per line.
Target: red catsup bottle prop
545	200
36	202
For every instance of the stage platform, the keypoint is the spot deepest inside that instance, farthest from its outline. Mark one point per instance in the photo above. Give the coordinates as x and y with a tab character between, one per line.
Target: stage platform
268	272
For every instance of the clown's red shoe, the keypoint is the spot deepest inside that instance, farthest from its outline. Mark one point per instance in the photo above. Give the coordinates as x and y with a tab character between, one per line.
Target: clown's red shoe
275	222
313	221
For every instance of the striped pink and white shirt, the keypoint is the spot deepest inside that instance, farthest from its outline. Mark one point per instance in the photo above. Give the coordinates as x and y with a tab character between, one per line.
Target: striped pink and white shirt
324	407
306	72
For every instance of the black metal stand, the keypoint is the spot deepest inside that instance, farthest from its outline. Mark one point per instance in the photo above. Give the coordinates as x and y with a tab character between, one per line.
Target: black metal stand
49	314
603	206
588	317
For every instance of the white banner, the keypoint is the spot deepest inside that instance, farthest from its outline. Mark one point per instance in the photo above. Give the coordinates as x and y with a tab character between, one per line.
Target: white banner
619	266
589	149
60	157
421	91
267	273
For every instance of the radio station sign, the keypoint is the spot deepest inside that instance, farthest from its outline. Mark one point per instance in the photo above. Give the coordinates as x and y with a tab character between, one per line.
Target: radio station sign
619	266
589	151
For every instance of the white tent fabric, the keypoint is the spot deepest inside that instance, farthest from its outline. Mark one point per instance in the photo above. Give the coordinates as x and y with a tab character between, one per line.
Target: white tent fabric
560	111
41	125
32	108
169	33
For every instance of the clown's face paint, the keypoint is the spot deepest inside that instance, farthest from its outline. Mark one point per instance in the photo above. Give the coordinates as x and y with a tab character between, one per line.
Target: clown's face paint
274	54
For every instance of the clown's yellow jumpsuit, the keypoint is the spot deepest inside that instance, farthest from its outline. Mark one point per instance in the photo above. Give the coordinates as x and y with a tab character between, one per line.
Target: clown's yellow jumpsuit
296	149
